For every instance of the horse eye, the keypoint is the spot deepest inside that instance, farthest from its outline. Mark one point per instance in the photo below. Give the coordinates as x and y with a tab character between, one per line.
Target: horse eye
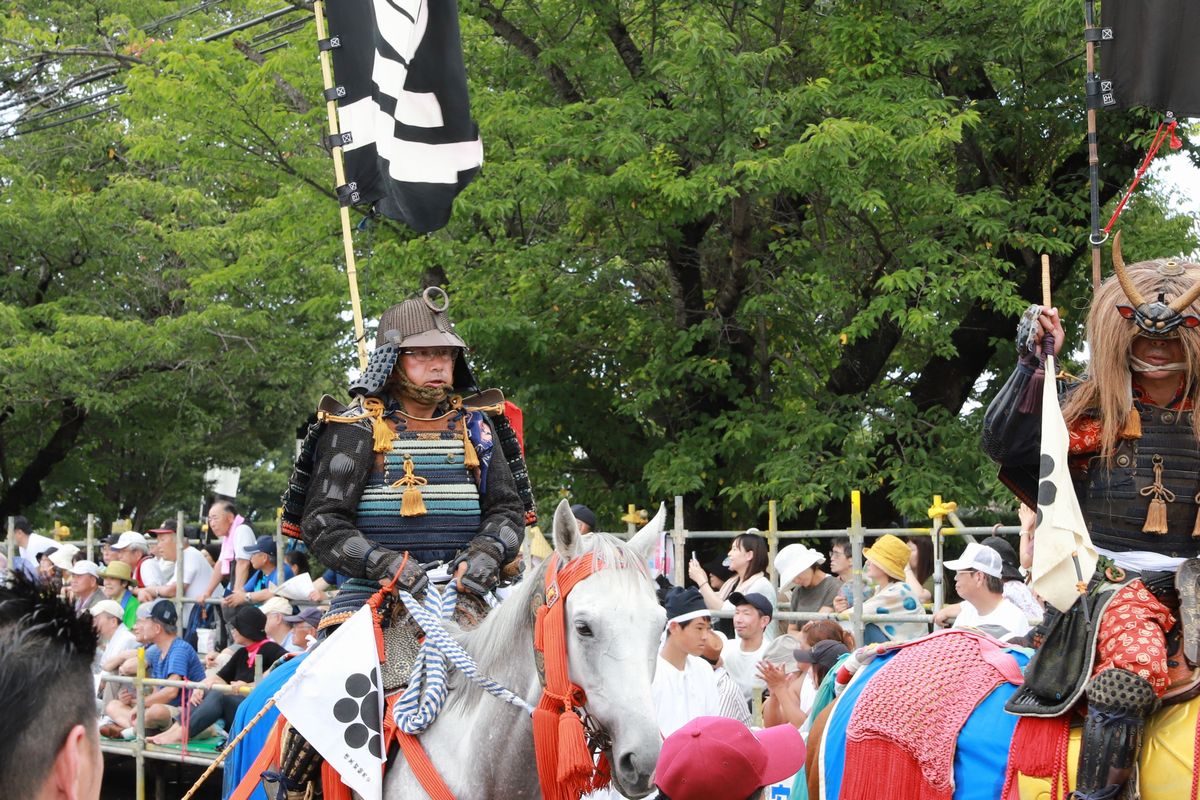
583	629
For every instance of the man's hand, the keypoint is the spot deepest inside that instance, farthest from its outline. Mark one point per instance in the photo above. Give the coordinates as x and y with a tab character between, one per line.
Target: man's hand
126	696
147	594
942	618
197	697
235	599
317	596
840	603
477	569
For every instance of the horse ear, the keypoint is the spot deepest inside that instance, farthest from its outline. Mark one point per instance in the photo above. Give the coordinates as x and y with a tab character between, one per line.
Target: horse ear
645	541
566	531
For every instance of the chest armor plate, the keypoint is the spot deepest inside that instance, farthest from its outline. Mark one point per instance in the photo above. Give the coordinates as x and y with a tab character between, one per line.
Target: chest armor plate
1111	494
450	494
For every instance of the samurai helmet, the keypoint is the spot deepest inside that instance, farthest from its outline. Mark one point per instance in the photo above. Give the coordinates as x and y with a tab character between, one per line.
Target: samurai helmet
1159	318
417	322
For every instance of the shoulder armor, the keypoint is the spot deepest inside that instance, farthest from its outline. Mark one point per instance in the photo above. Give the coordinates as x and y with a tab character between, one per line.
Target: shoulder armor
331	405
489	401
330	410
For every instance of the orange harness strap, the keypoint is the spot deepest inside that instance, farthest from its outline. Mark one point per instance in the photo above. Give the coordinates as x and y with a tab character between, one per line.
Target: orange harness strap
422	767
566	769
268	757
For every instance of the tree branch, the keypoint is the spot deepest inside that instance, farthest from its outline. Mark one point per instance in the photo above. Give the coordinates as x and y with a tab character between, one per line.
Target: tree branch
506	30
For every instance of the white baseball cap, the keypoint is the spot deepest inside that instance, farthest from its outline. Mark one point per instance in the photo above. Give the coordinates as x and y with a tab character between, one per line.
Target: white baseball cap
980	558
85	567
132	539
108	607
794	559
276	604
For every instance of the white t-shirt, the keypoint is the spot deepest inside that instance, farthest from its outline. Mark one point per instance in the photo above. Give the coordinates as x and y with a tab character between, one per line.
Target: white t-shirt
196	574
682	695
808	691
1004	622
122	640
742	665
243	539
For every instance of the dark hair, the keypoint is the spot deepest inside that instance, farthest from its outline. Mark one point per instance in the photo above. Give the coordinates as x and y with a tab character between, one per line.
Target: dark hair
994	585
843	543
214	552
298	559
924	567
757	547
46	654
21	524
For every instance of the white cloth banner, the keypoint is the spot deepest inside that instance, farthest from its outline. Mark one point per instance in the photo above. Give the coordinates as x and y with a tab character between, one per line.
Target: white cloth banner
335	701
1063	554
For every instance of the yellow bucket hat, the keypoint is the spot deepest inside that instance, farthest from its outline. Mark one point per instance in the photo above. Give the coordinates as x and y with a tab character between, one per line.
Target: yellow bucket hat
890	554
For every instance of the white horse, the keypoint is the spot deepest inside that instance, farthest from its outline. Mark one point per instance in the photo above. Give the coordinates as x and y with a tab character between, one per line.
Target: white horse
483	747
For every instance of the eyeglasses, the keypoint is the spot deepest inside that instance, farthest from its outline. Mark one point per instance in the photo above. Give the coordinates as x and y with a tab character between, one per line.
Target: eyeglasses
424	355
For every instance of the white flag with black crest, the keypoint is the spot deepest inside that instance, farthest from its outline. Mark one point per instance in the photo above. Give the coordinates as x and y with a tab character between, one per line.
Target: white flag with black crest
1063	554
409	142
335	701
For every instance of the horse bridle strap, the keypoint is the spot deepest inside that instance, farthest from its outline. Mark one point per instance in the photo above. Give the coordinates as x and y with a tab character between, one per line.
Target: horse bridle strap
565	766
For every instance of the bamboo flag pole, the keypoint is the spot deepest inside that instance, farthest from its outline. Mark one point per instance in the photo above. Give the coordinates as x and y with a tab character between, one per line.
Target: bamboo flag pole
1045	280
230	745
1095	239
339	171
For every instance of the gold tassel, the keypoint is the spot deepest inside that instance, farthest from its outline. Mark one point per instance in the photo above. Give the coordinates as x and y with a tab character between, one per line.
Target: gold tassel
1156	514
470	457
1133	425
1156	517
382	433
412	504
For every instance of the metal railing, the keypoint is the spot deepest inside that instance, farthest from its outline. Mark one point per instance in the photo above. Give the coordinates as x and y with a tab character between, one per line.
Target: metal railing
139	748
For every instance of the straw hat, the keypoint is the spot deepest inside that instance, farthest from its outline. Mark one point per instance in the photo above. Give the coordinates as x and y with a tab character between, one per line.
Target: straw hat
119	570
890	554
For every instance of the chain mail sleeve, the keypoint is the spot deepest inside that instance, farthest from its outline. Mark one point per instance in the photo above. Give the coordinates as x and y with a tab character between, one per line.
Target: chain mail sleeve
342	462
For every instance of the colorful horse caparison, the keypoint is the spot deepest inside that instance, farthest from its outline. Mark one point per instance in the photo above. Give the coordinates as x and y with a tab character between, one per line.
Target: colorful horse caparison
980	750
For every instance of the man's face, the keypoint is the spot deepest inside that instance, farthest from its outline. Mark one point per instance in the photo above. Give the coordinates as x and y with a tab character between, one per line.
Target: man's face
748	622
130	555
692	637
83	585
105	624
300	633
259	560
144	630
429	366
1158	352
839	559
967	583
219	521
166	546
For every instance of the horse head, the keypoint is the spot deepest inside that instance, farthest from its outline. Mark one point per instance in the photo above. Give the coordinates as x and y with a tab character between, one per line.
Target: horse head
613	624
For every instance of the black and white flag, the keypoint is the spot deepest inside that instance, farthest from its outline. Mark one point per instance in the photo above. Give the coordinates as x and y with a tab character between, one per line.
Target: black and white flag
1148	55
409	141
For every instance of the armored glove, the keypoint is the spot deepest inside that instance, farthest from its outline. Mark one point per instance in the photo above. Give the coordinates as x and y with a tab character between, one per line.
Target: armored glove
383	564
484	557
1028	332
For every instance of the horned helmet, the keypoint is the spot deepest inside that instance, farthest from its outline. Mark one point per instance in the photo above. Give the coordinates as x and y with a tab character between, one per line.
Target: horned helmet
1157	318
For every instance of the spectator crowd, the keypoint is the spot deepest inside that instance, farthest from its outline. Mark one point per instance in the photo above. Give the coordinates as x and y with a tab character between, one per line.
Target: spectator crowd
218	617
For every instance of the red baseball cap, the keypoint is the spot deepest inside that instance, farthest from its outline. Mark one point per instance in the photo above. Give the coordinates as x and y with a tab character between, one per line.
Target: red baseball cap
717	757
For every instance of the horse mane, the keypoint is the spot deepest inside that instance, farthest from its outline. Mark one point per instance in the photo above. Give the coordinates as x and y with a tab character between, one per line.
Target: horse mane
491	643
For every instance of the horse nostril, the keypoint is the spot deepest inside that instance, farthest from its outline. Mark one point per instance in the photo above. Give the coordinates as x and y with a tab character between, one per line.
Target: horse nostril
627	765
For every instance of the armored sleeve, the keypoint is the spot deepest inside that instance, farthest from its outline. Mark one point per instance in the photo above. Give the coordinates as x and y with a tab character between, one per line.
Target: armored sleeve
1010	435
342	462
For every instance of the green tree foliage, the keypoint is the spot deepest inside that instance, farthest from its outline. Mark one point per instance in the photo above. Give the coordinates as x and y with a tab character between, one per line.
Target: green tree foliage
764	250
